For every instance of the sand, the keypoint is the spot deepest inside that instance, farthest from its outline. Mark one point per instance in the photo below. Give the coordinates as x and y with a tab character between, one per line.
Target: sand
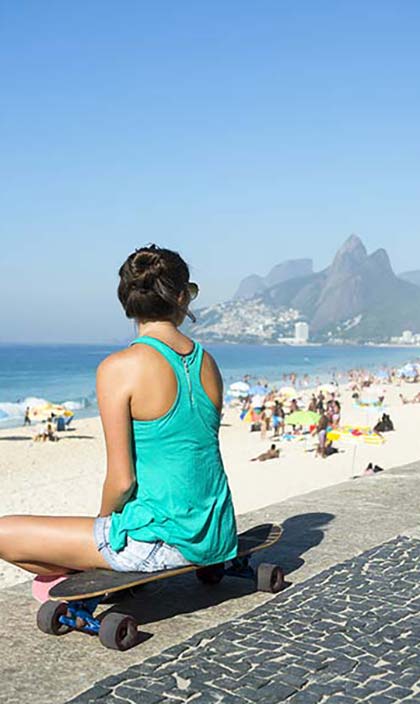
65	478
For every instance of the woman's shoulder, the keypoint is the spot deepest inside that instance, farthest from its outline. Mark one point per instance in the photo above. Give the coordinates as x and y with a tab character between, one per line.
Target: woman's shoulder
210	363
120	361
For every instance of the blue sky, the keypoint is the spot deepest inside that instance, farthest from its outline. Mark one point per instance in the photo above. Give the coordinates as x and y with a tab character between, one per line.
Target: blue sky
240	133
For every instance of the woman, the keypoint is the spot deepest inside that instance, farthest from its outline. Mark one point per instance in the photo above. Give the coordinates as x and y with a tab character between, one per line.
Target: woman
165	499
265	420
336	415
321	430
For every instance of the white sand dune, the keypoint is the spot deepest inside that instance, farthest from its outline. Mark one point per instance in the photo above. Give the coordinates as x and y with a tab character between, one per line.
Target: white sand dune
65	478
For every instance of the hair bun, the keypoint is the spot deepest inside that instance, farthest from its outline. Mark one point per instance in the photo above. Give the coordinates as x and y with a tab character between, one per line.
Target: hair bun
146	268
152	279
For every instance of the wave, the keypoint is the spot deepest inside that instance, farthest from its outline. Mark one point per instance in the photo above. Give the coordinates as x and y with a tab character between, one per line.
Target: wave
15	411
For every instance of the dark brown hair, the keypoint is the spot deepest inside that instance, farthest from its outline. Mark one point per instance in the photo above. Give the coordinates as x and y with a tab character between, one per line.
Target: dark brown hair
151	283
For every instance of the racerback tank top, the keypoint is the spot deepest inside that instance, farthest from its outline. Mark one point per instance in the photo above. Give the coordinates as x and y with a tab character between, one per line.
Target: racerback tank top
182	496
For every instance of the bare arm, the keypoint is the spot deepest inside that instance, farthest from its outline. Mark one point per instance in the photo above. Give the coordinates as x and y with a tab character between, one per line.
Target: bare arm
212	380
113	393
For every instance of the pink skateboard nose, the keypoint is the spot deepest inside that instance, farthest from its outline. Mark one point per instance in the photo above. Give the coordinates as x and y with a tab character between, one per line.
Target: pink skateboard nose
42	584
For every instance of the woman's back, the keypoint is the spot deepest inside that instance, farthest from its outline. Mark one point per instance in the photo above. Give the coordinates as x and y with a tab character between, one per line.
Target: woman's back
152	379
182	496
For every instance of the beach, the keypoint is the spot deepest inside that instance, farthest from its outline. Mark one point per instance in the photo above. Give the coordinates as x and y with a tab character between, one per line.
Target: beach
65	477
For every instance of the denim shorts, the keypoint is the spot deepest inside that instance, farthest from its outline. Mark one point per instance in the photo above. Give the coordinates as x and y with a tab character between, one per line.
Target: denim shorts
137	556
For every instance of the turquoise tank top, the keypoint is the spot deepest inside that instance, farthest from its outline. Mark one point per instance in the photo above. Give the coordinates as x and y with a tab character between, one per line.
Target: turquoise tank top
182	496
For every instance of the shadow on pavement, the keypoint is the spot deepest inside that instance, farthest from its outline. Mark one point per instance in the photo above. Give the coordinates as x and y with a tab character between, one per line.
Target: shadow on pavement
301	533
184	594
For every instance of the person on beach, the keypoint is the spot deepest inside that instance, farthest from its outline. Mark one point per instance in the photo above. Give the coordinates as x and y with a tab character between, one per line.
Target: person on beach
293	406
50	432
321	431
278	418
313	404
165	500
27	420
271	454
265	422
415	399
320	402
336	414
40	433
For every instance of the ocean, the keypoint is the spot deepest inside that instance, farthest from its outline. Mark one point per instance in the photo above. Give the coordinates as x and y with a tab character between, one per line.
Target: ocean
66	373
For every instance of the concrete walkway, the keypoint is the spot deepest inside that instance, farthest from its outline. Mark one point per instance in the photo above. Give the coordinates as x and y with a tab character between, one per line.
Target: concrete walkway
346	636
322	529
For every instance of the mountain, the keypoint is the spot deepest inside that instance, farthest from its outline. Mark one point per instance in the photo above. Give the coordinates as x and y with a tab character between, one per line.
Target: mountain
412	276
250	286
254	285
357	298
358	295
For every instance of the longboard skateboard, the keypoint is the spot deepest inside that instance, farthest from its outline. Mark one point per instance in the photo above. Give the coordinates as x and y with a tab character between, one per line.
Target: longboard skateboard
73	601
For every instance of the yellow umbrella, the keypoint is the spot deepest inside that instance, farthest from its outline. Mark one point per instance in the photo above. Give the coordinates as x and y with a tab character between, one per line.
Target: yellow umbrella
45	410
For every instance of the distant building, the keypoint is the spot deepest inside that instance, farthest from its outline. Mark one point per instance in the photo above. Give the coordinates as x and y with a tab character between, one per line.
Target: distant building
301	333
407	337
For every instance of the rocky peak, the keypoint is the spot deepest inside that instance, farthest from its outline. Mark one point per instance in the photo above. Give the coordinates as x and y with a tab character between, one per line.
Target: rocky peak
351	255
379	262
290	269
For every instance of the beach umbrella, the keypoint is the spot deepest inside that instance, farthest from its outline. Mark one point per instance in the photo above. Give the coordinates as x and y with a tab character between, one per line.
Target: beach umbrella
239	386
408	370
302	418
287	391
258	389
249	416
45	410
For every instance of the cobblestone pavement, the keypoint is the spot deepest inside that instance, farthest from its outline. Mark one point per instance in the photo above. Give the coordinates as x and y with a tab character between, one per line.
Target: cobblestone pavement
350	634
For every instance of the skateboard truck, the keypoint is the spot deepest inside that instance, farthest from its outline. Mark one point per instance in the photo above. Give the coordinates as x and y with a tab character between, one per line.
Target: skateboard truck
80	616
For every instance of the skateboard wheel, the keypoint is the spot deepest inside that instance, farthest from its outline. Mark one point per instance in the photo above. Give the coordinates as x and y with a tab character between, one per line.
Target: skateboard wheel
118	631
213	574
48	615
270	578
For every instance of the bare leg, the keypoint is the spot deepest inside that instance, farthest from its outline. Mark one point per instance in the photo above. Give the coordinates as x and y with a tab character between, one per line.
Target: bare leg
49	544
43	568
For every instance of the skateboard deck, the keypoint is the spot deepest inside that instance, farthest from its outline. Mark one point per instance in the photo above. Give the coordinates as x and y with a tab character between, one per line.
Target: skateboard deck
98	582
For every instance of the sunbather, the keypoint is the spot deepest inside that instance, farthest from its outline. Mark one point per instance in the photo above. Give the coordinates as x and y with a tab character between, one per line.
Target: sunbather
271	454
